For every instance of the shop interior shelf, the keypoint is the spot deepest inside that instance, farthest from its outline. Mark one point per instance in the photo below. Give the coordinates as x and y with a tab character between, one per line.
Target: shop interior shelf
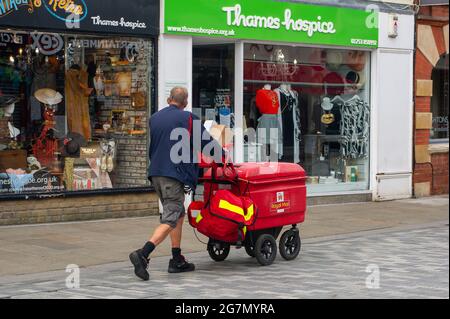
359	86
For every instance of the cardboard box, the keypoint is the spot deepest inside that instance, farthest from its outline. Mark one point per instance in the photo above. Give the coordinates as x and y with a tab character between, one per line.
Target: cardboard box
221	134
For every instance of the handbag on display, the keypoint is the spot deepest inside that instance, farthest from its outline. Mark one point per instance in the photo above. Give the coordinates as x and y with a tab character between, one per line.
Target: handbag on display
123	80
138	98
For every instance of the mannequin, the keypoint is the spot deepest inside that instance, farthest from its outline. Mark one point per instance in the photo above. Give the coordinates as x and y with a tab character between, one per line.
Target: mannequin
290	123
268	105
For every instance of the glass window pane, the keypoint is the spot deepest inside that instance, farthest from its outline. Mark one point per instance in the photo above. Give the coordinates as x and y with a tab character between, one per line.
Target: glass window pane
213	79
310	106
74	112
439	100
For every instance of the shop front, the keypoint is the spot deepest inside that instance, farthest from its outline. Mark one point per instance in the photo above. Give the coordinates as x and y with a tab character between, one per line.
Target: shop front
328	87
77	87
431	99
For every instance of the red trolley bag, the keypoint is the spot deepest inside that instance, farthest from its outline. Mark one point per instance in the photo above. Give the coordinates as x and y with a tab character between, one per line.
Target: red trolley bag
224	218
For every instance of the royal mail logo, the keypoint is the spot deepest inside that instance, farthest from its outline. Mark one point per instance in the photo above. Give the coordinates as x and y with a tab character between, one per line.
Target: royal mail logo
284	205
281	203
64	10
280	197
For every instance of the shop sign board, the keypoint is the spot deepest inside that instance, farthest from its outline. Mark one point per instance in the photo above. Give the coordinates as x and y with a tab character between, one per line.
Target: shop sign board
140	17
270	20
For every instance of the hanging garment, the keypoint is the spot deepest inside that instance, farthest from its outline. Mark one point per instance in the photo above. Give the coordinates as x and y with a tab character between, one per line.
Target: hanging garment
290	125
267	102
268	105
355	129
267	124
77	107
254	113
327	122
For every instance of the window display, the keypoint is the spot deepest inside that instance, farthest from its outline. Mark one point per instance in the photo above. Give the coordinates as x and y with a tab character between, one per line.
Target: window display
73	112
310	106
213	89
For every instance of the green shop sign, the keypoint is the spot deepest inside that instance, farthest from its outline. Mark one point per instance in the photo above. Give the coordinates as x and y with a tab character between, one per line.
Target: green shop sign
270	20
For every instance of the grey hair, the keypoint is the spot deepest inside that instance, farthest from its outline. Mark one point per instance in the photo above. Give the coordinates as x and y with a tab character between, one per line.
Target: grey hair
178	94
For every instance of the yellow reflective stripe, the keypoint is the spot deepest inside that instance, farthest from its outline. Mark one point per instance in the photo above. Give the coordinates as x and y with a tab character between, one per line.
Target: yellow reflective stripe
245	230
232	208
250	212
199	218
223	204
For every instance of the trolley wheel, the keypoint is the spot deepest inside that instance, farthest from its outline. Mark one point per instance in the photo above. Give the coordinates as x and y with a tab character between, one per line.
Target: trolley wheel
265	249
218	251
290	244
250	250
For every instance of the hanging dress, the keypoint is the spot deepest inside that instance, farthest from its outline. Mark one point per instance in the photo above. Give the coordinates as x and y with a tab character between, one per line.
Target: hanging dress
77	107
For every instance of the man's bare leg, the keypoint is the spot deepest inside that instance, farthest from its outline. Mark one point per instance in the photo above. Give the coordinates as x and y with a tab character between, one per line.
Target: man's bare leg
175	235
161	233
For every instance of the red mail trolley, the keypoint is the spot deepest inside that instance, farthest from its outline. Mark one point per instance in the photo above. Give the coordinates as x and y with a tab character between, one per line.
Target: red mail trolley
278	191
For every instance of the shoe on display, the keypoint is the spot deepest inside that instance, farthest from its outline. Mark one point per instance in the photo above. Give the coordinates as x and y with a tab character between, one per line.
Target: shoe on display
181	265
110	163
103	164
140	264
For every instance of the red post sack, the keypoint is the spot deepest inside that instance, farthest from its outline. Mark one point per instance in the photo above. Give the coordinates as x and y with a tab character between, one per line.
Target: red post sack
224	218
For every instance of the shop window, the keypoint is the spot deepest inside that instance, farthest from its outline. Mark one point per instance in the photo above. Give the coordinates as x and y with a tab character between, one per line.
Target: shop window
73	113
439	101
213	83
310	106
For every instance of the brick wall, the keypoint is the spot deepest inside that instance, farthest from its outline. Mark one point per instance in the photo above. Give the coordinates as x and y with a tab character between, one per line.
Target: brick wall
132	151
132	162
78	208
431	168
440	174
434	11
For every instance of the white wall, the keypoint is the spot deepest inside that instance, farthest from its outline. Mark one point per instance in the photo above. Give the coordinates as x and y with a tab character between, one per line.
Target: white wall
175	66
174	63
393	112
405	39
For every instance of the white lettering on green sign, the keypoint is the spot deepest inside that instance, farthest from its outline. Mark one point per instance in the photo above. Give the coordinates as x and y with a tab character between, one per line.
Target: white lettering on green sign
236	18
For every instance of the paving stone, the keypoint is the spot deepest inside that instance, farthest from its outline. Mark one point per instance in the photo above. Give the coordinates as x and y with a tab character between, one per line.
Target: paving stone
412	264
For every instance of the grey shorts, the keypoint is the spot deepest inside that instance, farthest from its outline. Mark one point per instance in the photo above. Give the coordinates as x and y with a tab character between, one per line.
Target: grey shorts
171	194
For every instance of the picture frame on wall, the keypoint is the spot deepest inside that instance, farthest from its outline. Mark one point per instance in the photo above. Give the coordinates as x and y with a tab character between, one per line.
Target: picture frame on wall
118	119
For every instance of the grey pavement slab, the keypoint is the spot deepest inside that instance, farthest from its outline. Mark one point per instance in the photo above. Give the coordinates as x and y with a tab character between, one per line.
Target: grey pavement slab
46	247
413	262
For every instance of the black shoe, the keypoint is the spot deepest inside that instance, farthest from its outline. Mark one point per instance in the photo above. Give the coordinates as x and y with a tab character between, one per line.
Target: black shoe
181	265
140	264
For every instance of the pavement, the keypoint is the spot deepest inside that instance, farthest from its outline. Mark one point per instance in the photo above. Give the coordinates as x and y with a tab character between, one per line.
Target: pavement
399	263
396	249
